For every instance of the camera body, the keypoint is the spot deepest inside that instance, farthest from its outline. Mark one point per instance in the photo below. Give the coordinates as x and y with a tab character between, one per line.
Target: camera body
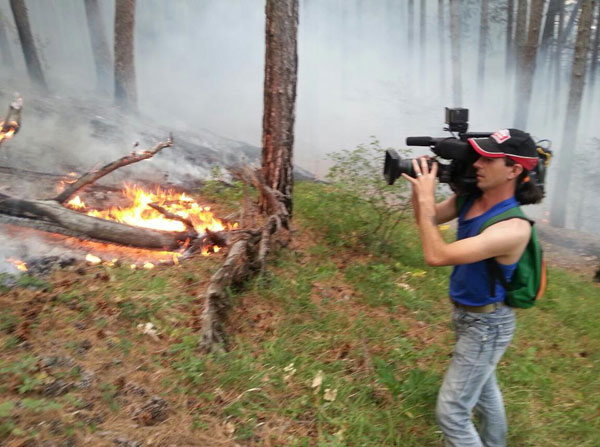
459	172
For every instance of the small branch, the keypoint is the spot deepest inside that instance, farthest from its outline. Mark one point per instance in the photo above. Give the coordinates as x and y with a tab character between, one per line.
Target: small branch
92	176
187	222
216	306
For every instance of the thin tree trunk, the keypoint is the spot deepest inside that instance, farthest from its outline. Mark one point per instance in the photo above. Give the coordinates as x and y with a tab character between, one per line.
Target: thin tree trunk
455	39
100	48
442	43
528	64
558	211
32	61
483	37
571	23
595	51
510	49
125	83
7	58
549	25
281	72
558	57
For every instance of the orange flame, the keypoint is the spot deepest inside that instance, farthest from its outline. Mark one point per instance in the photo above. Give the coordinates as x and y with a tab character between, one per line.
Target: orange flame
7	131
21	266
140	214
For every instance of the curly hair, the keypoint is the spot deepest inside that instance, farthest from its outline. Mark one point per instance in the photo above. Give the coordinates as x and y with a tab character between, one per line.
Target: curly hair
526	191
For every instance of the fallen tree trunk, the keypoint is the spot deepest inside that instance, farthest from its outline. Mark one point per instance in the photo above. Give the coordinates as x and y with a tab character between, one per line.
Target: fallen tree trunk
106	230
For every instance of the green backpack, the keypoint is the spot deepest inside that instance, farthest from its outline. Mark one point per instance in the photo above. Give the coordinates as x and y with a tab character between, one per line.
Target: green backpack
529	280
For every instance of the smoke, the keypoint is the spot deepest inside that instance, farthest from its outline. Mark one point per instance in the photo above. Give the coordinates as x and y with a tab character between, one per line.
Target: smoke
200	69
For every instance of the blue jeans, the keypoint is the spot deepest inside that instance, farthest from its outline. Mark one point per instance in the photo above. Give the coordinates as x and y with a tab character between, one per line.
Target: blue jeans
470	382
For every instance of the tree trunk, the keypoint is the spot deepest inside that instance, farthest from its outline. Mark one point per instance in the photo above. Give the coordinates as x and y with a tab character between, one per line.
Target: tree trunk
549	26
455	42
281	72
7	58
528	64
442	44
510	48
32	61
520	33
571	23
558	56
595	51
100	48
483	37
558	211
125	84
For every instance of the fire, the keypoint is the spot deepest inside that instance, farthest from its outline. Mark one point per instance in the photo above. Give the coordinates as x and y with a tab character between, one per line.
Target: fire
20	265
8	130
140	214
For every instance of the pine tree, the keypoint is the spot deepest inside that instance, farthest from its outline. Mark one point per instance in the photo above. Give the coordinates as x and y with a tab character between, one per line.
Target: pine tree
281	73
32	61
527	64
558	211
125	83
483	37
100	48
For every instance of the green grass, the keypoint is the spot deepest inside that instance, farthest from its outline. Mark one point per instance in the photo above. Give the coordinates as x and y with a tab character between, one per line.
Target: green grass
344	342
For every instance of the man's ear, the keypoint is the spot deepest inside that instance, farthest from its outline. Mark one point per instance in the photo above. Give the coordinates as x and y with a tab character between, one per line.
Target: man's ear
515	171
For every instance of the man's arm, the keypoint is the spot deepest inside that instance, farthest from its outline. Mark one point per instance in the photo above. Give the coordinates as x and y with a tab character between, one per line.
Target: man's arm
503	240
445	210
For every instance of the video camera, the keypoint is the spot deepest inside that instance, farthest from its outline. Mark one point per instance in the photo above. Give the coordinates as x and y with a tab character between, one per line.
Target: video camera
459	173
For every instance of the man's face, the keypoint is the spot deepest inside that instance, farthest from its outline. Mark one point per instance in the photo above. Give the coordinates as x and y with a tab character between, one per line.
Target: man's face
492	172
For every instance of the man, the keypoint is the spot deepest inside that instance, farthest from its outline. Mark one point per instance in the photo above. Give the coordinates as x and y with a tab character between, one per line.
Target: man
484	326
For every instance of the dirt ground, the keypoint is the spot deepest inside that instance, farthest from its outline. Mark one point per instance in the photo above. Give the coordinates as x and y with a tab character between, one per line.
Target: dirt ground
570	249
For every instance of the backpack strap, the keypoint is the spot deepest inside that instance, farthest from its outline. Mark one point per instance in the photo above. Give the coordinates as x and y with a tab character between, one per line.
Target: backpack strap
494	271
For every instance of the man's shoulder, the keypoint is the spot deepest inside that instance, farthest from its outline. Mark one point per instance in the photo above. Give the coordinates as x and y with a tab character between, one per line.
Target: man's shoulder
514	227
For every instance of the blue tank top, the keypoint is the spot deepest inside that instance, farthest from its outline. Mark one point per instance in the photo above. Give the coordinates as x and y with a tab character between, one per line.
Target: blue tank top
470	283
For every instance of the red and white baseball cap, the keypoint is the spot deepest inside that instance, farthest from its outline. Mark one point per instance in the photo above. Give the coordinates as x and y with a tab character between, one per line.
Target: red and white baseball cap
512	143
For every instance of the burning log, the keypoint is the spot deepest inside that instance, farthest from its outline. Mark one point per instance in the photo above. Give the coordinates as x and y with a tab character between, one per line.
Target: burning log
11	124
52	214
248	253
93	227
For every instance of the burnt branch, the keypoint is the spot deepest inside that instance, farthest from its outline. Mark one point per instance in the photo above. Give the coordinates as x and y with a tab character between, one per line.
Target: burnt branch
217	304
187	222
92	176
247	255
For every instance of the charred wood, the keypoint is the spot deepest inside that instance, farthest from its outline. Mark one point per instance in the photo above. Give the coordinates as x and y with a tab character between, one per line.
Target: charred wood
106	230
94	175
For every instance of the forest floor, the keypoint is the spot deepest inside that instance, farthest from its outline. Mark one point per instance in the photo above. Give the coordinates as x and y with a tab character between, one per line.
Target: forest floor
343	343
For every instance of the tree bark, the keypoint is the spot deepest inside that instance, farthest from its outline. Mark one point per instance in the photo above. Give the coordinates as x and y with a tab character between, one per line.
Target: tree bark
100	48
558	210
281	71
483	37
595	51
455	51
7	58
125	83
32	61
528	64
549	27
571	23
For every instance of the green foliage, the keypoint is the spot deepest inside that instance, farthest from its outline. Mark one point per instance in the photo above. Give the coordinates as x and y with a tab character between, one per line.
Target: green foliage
361	207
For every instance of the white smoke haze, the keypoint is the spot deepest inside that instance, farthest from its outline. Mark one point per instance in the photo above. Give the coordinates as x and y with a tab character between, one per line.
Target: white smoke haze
199	67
